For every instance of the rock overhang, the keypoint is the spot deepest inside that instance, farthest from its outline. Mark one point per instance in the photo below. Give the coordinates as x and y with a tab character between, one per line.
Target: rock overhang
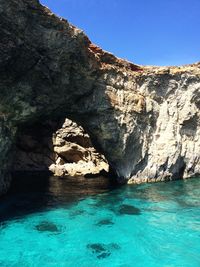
134	114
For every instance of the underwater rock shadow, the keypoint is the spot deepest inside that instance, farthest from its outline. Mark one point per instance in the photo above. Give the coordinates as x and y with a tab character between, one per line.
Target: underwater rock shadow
128	210
105	222
47	226
102	250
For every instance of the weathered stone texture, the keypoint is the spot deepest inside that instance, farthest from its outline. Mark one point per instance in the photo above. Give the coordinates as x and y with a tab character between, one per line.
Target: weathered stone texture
145	120
64	149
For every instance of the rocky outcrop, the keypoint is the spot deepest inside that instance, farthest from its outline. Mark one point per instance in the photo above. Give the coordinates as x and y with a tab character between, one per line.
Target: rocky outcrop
145	120
75	154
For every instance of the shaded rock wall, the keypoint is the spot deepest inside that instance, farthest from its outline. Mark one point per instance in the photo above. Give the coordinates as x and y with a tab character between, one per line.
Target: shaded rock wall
145	120
34	147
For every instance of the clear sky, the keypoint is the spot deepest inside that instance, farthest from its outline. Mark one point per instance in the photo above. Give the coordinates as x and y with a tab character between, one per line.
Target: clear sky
150	32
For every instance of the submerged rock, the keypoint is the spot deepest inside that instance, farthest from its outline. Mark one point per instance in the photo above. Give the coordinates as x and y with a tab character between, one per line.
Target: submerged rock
46	226
96	248
105	222
76	213
102	250
129	210
145	120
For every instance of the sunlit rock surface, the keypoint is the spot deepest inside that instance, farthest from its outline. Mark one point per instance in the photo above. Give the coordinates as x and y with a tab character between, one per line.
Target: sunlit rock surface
75	154
144	120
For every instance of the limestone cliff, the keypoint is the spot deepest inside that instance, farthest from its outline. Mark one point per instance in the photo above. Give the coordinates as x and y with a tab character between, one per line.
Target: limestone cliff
145	120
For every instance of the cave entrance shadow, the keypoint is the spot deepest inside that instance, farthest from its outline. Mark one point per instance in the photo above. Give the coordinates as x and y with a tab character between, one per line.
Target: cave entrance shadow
32	192
33	187
51	145
34	146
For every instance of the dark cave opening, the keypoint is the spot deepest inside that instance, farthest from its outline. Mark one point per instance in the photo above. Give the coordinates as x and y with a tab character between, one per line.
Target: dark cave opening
61	149
35	185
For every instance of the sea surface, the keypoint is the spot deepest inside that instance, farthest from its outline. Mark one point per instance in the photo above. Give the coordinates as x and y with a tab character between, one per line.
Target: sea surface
47	222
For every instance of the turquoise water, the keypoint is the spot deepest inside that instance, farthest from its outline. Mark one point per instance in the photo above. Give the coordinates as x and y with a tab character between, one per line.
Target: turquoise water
147	225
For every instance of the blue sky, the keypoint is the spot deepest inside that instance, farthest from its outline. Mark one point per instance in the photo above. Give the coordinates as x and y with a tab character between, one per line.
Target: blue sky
148	32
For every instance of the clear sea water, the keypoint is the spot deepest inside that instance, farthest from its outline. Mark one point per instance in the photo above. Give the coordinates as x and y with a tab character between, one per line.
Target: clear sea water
51	222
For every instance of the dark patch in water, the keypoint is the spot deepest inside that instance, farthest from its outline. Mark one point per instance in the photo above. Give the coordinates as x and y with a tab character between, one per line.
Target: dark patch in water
129	210
105	222
104	255
97	247
46	226
76	213
32	192
102	250
3	225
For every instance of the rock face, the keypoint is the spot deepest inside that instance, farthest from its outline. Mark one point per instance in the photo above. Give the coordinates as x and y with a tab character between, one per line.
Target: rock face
171	148
75	154
69	152
145	120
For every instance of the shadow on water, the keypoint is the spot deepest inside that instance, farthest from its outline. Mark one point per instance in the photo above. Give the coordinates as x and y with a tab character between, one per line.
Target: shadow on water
35	192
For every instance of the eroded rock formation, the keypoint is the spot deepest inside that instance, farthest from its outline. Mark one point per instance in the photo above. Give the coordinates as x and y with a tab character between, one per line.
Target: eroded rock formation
66	152
75	154
145	120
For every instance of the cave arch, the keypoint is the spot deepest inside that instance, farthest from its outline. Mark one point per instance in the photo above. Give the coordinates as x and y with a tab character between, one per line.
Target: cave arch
61	147
54	71
133	114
